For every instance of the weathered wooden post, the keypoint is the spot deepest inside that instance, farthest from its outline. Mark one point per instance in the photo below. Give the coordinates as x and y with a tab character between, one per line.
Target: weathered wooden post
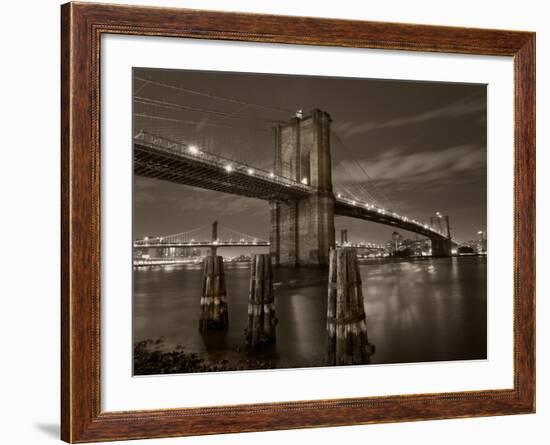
346	323
214	299
261	302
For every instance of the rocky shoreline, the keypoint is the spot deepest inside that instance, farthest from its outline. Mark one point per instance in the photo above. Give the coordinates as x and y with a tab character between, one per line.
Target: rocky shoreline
151	358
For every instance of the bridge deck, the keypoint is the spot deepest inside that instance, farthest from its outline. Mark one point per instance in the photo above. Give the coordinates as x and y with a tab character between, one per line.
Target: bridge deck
345	207
163	159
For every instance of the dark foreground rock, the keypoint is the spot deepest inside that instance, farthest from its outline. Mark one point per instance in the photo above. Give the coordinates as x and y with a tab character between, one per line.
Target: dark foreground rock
151	358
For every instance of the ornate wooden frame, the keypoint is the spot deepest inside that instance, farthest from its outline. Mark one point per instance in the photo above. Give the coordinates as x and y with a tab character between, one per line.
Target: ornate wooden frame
81	27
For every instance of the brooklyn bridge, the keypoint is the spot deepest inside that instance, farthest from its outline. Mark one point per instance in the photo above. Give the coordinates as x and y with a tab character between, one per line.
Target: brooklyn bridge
298	188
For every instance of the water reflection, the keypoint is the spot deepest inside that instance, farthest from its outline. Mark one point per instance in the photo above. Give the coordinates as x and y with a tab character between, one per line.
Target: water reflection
417	310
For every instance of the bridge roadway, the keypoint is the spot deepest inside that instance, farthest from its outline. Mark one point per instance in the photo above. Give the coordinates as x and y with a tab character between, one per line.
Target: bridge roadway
161	158
346	207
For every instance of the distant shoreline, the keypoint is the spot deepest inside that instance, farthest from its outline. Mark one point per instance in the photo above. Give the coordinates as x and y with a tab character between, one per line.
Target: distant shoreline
162	263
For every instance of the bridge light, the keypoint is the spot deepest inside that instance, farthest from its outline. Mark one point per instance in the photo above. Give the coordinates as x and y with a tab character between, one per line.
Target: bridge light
339	195
352	203
250	171
438	214
228	168
271	175
304	181
193	149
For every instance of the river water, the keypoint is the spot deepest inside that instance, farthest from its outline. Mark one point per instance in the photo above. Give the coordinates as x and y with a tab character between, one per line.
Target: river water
425	309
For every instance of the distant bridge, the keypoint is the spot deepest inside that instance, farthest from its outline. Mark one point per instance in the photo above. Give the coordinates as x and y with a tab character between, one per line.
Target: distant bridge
219	236
198	244
223	237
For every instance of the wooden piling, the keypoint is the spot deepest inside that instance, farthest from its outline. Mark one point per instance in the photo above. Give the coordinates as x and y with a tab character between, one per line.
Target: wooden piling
214	313
331	308
261	302
347	340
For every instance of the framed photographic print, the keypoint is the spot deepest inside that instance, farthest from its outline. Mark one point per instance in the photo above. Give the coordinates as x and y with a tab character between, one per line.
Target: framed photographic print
279	222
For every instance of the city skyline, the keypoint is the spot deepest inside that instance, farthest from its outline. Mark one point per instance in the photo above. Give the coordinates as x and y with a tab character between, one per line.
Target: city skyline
478	244
423	146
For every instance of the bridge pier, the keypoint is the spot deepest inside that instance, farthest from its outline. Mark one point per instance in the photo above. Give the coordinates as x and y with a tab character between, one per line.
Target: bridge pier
343	237
214	250
441	247
302	231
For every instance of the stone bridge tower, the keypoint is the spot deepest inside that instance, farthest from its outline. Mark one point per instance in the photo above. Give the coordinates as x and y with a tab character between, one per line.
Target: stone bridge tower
442	247
302	231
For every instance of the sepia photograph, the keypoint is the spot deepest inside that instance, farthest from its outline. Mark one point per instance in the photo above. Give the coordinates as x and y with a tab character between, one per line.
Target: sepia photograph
286	221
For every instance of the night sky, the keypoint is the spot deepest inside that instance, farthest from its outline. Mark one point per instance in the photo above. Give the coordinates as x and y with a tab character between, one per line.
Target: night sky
423	146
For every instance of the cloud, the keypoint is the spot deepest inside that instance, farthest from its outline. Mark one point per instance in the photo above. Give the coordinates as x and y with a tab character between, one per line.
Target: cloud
418	167
462	107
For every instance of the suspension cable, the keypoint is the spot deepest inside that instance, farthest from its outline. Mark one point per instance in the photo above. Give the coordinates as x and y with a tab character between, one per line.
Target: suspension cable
190	122
339	140
170	105
241	233
212	96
